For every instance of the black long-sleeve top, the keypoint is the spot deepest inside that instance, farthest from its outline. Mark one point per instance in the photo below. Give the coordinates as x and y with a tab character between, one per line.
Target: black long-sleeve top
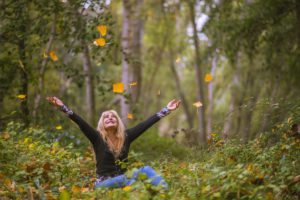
106	165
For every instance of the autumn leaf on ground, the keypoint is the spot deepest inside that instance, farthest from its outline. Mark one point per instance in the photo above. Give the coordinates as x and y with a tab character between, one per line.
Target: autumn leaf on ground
131	84
22	96
100	41
127	188
129	116
84	189
75	189
53	56
198	104
178	59
45	55
118	87
208	78
167	172
22	66
58	127
102	30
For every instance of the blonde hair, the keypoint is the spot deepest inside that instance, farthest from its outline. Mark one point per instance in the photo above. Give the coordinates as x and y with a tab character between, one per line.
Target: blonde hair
120	133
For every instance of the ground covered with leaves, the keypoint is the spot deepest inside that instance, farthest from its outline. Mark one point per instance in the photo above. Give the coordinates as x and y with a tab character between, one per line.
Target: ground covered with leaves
265	168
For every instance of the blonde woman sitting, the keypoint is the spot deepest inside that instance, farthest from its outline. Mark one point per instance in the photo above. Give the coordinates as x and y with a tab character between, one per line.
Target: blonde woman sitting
111	143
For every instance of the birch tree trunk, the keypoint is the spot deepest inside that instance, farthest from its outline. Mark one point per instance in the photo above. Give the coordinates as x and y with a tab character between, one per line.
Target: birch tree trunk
90	94
138	32
197	63
125	57
42	71
210	92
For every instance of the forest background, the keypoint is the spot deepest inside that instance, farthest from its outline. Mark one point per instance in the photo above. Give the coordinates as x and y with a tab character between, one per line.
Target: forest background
161	50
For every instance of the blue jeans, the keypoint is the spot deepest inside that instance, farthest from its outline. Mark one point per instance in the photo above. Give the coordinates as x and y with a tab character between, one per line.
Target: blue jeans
122	181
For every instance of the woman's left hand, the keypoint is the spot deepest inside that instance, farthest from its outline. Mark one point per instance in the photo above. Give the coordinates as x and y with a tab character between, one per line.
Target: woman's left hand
172	105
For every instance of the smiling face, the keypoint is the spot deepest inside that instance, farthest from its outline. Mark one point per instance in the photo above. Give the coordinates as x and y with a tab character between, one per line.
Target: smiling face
110	121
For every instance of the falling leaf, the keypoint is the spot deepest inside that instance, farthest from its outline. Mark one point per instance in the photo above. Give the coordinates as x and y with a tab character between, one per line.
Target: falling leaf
198	104
208	77
129	116
127	188
45	55
58	127
282	146
258	151
22	66
118	87
149	13
53	56
131	84
162	195
22	96
178	59
158	92
102	30
100	41
75	189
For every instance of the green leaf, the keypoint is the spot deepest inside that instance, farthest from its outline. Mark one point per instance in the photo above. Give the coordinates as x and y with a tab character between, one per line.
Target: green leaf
142	176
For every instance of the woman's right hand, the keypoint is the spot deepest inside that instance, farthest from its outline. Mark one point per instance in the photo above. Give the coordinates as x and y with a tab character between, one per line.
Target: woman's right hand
55	101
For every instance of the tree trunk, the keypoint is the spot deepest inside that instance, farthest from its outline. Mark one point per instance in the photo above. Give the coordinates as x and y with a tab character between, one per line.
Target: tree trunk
210	92
197	63
138	32
228	124
90	94
42	71
125	57
180	93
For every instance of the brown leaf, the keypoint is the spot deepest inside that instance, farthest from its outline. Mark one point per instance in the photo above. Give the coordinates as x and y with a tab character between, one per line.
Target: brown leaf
46	166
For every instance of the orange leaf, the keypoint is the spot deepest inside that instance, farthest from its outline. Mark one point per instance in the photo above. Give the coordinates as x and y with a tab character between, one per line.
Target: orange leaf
75	189
100	41
102	30
158	92
208	77
46	166
183	165
198	104
22	96
22	66
53	56
129	116
167	172
118	87
261	176
209	141
178	59
84	189
131	84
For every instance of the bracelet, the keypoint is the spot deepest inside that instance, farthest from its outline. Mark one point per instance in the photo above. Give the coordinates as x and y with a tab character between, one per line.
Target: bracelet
66	110
164	112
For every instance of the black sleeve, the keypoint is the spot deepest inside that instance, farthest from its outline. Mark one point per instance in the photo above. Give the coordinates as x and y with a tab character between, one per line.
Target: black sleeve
137	130
87	130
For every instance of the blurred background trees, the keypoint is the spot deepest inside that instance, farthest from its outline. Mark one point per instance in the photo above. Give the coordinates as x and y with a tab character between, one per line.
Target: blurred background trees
167	46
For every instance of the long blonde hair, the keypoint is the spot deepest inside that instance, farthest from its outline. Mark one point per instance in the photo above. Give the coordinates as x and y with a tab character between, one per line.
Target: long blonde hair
120	133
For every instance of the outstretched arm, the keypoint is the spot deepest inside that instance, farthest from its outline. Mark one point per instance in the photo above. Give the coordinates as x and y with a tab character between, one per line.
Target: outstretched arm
87	130
139	129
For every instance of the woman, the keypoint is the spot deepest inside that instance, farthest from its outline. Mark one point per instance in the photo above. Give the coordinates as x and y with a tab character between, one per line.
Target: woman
111	144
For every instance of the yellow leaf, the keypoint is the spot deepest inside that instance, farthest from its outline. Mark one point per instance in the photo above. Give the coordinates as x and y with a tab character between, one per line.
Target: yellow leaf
270	195
45	55
131	84
7	182
58	127
37	126
72	121
282	146
102	30
129	116
249	168
213	134
59	31
127	188
118	87
221	155
53	56
198	104
258	151
21	96
87	153
149	13
129	156
84	189
100	41
261	176
21	190
162	195
167	172
20	141
31	146
208	77
273	130
158	92
75	189
26	140
53	152
178	59
284	135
